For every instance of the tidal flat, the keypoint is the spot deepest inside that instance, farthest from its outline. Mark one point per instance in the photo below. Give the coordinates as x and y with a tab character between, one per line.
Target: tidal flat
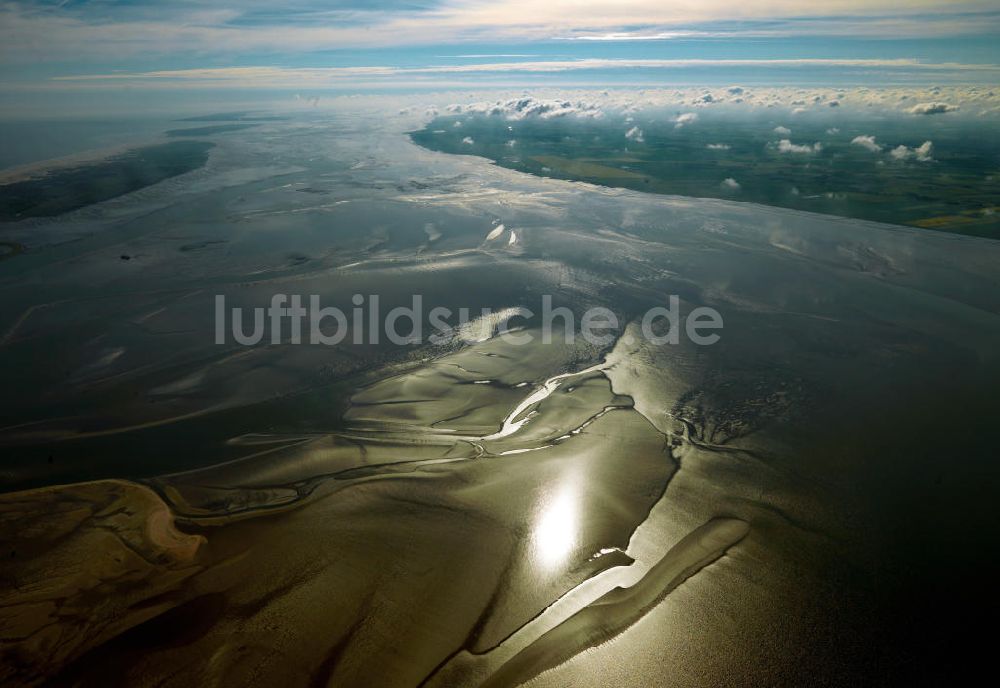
802	503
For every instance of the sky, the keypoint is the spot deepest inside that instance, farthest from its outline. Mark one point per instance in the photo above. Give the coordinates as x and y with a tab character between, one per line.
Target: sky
50	47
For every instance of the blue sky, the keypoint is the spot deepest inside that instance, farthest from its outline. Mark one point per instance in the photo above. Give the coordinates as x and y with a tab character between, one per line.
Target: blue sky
67	45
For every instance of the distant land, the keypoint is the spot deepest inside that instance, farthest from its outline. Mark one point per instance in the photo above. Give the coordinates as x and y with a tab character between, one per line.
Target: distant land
65	189
930	174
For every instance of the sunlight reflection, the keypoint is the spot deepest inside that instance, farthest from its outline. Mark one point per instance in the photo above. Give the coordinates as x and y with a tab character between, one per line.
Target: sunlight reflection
556	529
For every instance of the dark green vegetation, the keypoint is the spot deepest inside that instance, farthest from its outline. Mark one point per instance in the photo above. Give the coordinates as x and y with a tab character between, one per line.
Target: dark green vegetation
955	188
67	189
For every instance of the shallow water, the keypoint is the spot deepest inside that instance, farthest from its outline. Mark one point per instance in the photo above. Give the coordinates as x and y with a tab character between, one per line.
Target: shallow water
803	502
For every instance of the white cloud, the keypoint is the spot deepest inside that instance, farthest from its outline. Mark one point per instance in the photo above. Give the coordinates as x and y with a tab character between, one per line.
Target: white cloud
934	108
528	107
624	106
718	146
323	77
630	36
901	152
468	141
685	119
786	146
866	142
782	131
635	134
730	184
921	153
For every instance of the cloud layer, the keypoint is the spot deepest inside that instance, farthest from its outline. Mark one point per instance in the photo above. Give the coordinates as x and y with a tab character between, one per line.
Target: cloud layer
30	31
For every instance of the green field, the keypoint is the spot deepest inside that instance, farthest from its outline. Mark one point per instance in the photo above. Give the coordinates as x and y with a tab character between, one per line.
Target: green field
955	188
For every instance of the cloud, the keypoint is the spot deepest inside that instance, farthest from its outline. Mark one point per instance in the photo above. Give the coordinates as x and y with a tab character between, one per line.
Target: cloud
935	108
450	74
786	146
730	184
624	106
564	65
921	153
718	146
528	107
468	141
143	28
782	131
866	142
630	36
685	119
635	134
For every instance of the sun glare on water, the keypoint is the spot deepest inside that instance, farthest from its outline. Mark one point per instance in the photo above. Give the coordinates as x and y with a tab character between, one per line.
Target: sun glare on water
556	529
